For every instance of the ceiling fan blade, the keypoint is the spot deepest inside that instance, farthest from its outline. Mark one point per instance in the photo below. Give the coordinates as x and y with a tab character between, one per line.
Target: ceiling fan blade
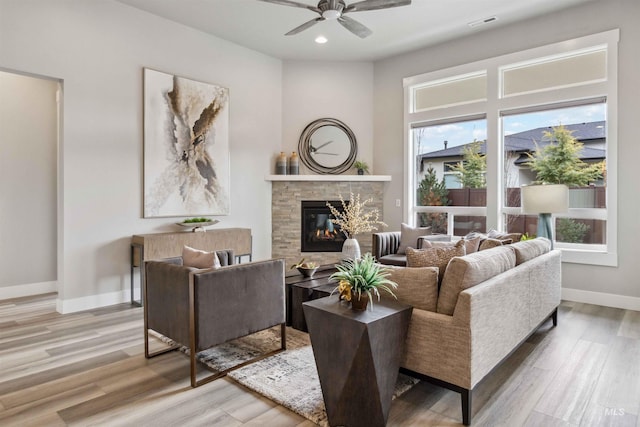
304	26
293	4
375	5
355	27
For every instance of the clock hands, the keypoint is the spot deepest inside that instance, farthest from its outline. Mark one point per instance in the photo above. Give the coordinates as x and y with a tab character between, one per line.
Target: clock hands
314	150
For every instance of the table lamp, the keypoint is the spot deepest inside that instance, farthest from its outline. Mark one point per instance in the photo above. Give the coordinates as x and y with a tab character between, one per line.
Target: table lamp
544	200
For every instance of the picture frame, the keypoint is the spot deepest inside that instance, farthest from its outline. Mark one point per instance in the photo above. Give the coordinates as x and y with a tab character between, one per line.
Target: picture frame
186	147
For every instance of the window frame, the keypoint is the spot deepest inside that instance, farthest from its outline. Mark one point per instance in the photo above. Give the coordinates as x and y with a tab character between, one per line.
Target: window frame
494	107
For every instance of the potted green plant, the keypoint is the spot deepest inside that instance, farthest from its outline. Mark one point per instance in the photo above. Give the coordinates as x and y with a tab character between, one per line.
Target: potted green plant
359	280
361	166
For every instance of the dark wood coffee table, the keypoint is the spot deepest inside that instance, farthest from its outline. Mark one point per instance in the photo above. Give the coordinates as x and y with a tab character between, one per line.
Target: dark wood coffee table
301	289
357	354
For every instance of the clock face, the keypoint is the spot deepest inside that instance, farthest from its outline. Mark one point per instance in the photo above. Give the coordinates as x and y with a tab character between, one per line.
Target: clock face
328	146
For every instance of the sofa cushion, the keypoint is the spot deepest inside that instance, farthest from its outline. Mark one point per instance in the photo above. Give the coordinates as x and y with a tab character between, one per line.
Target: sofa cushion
465	272
529	249
434	257
409	237
417	287
199	259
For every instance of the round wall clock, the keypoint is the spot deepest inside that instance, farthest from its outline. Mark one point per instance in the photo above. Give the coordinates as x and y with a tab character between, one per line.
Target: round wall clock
328	146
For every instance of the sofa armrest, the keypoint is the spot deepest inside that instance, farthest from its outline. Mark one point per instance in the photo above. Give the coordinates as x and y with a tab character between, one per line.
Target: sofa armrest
437	345
385	243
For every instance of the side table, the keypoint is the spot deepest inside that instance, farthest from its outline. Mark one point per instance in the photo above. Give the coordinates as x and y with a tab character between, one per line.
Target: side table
357	354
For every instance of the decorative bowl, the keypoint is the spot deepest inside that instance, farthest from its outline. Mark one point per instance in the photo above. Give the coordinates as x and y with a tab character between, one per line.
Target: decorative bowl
307	272
200	224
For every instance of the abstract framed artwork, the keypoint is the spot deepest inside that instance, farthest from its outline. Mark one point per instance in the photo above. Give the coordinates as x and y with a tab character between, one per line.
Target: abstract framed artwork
186	147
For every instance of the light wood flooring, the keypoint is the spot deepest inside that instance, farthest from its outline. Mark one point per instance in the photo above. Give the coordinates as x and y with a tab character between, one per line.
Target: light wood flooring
88	368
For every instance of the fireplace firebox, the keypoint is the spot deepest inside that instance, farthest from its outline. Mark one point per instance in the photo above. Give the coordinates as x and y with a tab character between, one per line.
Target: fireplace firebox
319	234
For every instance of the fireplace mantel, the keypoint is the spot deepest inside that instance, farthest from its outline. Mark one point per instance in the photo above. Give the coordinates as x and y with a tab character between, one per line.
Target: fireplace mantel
325	178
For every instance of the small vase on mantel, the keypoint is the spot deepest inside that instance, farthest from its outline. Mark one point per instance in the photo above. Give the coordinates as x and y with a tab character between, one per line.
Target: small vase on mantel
351	249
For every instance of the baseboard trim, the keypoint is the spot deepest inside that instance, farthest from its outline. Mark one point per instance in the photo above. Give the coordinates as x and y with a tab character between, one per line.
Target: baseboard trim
601	298
27	290
92	301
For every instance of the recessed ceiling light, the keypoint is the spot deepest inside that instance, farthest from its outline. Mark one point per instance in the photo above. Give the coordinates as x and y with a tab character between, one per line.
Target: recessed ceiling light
321	40
482	21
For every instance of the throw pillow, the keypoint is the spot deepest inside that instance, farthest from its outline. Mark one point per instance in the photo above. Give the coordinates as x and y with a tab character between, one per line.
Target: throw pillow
489	243
409	237
494	234
199	259
465	272
417	287
470	245
434	257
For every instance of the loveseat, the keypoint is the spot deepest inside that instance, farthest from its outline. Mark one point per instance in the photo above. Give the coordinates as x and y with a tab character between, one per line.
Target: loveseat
489	302
202	308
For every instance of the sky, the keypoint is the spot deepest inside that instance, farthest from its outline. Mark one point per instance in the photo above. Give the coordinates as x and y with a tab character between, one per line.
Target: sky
432	138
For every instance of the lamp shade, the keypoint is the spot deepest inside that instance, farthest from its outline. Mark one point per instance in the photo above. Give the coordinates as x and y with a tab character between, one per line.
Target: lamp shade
546	198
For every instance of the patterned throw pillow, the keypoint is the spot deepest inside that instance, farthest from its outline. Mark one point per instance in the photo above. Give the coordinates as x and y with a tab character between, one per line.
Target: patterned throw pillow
471	245
199	259
489	243
435	257
409	237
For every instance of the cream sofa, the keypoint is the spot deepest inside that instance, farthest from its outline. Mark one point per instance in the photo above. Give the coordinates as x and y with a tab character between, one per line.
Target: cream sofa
488	303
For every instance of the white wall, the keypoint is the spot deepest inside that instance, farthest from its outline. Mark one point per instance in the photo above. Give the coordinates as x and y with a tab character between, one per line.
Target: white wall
28	173
99	48
340	90
580	280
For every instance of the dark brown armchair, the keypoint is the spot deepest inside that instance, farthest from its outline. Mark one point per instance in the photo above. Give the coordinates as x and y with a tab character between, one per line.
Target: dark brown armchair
201	309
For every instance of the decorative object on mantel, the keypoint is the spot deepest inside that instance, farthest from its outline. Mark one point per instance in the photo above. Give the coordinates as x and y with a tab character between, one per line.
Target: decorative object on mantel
361	166
307	269
198	224
353	220
294	164
281	164
327	146
186	146
359	280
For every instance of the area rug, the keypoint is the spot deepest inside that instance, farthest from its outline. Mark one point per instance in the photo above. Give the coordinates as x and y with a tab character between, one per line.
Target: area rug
289	378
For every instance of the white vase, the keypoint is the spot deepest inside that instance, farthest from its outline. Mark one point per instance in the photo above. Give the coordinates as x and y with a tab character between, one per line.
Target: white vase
351	249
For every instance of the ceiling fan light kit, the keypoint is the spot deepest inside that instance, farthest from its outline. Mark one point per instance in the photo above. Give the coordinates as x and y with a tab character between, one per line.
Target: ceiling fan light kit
330	10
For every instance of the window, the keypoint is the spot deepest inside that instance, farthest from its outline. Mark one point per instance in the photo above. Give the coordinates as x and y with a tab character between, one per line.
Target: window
471	131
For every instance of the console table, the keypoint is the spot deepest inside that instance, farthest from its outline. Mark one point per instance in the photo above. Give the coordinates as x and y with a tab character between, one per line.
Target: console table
357	354
165	245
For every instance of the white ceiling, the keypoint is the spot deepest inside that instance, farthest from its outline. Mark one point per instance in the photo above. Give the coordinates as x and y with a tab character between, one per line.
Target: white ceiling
261	26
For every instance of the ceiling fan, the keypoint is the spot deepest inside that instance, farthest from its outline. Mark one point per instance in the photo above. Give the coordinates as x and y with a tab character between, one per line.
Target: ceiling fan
337	9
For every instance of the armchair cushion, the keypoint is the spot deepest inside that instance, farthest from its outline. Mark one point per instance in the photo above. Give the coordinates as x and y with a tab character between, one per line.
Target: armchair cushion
409	237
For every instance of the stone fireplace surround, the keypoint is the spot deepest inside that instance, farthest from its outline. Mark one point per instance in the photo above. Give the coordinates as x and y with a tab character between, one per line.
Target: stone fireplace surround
287	193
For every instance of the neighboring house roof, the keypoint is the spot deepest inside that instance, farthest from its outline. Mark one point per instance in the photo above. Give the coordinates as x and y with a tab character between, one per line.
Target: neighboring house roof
525	142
